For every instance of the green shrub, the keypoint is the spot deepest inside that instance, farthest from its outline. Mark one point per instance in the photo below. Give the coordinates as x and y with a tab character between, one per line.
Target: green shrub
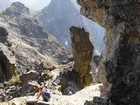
15	80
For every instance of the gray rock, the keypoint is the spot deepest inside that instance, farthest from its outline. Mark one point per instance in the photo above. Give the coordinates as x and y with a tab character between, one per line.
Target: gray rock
97	59
1	91
8	64
8	91
29	89
1	98
97	101
120	63
3	32
30	44
1	85
82	50
31	75
46	75
47	65
89	103
6	84
13	88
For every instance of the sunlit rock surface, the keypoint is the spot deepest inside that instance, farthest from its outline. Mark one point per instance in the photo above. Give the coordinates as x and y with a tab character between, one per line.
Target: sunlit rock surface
121	18
82	50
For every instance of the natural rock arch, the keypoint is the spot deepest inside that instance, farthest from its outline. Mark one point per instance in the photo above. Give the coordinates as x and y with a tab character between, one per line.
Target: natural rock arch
120	63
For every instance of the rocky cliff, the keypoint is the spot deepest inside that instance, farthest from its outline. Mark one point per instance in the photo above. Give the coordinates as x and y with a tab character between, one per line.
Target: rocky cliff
82	50
7	58
121	18
25	50
28	41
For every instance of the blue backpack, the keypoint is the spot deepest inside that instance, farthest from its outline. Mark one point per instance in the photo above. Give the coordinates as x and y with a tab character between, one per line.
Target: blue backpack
47	94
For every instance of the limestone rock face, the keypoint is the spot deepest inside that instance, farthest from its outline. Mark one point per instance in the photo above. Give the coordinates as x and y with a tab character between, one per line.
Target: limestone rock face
82	50
121	18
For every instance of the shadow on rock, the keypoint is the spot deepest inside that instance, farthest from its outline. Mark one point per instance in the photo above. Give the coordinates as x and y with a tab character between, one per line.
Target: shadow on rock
41	103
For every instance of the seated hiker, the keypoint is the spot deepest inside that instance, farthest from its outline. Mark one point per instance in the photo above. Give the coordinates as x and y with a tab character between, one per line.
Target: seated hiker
44	93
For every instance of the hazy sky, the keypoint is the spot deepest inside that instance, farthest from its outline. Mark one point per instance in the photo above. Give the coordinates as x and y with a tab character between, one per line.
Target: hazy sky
38	3
30	3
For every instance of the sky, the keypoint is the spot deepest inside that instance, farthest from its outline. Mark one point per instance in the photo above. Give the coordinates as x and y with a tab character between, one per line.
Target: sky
30	3
41	5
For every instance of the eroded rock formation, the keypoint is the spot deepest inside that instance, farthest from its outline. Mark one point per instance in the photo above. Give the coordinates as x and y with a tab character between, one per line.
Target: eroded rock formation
58	23
121	18
82	50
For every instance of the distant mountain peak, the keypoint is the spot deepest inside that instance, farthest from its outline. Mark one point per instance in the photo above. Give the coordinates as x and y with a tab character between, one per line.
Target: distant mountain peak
16	9
18	5
58	17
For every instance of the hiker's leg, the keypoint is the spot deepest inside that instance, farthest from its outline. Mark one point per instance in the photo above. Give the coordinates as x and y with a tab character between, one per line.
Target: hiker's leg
45	99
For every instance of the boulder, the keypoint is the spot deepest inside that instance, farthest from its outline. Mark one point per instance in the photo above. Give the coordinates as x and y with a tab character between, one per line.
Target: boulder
3	32
46	65
3	35
97	59
31	75
29	88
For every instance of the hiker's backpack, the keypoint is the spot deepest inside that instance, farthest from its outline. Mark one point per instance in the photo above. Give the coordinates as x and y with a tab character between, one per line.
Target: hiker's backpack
46	93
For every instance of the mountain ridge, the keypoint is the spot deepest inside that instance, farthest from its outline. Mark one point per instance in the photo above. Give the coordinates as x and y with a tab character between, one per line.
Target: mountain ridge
57	19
